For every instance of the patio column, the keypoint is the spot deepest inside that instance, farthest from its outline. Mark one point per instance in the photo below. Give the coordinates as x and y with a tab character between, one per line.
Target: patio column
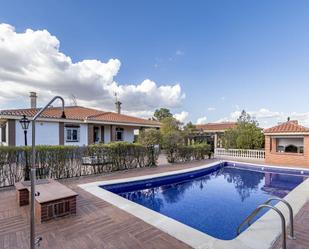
90	134
113	133
12	132
61	133
215	141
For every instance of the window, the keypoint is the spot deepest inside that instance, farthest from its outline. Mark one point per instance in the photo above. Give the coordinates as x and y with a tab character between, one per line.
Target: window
119	134
290	144
3	134
72	133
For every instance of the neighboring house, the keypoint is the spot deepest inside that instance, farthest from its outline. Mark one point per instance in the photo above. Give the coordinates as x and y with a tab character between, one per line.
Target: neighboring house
212	133
82	126
287	144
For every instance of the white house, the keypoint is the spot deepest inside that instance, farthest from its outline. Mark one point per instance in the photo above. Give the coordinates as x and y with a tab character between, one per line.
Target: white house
82	126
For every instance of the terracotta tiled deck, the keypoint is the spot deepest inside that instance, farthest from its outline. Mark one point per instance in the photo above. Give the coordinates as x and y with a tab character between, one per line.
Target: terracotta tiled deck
301	231
98	224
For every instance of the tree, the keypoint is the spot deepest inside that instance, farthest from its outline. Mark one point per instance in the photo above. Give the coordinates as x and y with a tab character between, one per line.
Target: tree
245	118
150	138
162	113
189	127
170	142
172	136
169	124
188	130
246	135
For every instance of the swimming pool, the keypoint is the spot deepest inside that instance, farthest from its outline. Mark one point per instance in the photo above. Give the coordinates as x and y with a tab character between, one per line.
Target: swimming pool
213	200
275	180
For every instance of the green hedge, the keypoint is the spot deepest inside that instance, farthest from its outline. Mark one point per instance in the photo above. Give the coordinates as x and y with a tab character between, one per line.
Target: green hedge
185	153
71	161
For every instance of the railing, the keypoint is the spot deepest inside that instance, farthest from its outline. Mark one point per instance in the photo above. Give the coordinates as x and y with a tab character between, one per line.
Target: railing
256	211
238	153
249	218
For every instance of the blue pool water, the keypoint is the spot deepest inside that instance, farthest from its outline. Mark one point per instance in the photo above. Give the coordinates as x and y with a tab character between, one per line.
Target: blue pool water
214	201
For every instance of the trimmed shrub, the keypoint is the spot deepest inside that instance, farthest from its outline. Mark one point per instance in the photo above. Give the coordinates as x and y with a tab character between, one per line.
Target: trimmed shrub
185	153
71	161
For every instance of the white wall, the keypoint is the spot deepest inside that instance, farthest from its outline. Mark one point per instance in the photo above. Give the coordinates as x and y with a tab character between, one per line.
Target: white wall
46	133
107	134
6	135
83	136
128	134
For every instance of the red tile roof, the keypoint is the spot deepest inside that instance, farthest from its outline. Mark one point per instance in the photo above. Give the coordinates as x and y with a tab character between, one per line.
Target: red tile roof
81	113
291	126
217	126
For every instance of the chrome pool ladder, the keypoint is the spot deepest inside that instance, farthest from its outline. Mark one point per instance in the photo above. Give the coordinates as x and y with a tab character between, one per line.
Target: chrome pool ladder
266	205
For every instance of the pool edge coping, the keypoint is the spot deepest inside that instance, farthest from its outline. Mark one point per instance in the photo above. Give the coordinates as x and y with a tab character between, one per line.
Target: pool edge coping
260	235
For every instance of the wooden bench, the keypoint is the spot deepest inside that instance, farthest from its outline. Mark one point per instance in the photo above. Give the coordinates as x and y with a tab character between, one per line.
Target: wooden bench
53	199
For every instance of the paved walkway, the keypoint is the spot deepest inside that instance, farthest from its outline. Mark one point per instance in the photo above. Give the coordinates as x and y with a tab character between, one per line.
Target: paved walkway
99	225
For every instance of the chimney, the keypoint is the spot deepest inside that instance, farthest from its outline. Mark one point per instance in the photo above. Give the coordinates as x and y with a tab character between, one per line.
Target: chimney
118	106
33	98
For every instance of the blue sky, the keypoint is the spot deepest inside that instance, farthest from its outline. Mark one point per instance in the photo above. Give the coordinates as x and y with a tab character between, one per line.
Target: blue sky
225	55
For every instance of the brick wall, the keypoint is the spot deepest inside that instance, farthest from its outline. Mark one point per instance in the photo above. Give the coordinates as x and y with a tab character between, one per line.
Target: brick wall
22	197
286	159
46	211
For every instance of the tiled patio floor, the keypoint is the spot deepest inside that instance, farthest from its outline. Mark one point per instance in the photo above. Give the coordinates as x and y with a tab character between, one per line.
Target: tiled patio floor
301	231
98	224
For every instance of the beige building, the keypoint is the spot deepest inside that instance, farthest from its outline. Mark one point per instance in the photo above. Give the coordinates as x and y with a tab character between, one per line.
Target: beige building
212	133
287	144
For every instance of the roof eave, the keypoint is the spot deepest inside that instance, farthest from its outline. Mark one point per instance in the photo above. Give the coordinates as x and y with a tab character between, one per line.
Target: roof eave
6	117
286	133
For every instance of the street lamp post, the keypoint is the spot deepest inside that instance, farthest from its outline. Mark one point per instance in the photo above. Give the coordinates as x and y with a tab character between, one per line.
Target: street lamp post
24	122
33	240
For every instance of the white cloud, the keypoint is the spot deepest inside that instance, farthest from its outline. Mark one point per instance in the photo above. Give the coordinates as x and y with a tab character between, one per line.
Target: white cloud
267	118
225	119
182	117
235	115
201	120
260	115
211	109
180	52
303	117
265	113
32	61
222	98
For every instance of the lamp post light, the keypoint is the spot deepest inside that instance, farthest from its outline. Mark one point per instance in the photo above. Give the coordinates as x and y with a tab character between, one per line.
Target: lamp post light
24	122
34	241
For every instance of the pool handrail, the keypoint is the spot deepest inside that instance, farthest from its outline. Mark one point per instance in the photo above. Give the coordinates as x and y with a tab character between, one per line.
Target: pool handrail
291	236
256	211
